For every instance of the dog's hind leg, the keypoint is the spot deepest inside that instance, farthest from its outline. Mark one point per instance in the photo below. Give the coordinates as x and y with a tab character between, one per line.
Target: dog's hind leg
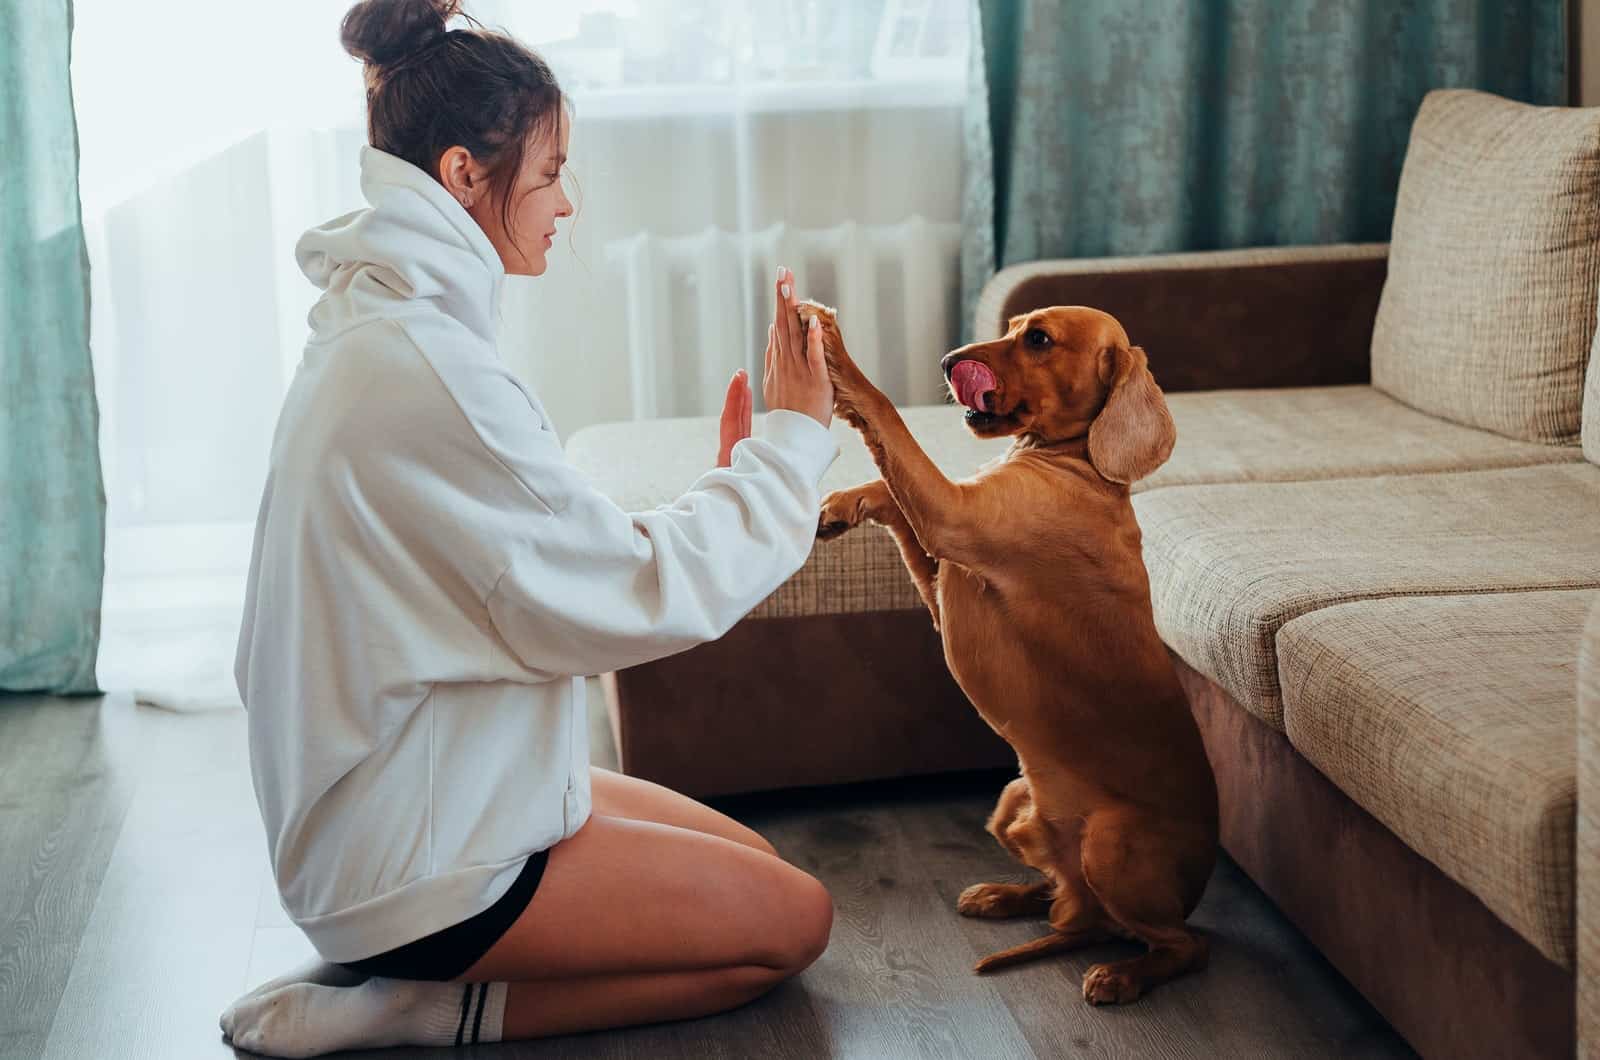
1015	805
1078	921
1133	871
1016	825
996	900
1039	947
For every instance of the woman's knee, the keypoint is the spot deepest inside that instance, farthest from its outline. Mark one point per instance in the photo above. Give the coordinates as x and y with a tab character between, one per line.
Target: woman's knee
818	923
801	926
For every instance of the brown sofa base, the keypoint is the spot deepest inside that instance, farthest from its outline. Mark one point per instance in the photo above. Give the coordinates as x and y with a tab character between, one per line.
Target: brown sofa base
1445	972
795	702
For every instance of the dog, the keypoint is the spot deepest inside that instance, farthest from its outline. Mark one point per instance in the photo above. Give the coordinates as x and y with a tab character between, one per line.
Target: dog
1033	574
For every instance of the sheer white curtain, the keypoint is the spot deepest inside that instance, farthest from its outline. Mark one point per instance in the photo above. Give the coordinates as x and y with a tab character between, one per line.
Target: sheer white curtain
712	139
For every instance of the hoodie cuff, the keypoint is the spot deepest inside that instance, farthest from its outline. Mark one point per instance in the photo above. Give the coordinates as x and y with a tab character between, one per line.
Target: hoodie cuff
803	440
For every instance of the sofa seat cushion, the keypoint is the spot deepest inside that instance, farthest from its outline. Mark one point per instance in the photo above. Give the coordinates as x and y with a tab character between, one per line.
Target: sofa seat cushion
1231	564
1223	436
1494	265
1451	720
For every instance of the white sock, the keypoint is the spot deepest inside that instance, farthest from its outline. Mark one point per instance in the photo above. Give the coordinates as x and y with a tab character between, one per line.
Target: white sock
308	1019
315	970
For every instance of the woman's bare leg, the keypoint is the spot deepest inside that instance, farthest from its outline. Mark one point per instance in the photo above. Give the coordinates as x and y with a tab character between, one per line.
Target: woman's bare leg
619	795
659	908
637	921
544	1009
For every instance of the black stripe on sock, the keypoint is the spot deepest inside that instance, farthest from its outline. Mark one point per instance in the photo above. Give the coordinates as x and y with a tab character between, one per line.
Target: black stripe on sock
477	1021
466	1003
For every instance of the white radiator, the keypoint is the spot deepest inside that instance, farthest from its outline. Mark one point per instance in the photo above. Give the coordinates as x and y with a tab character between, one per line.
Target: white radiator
698	306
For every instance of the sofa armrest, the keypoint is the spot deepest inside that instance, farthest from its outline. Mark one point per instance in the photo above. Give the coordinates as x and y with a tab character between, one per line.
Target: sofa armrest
1587	861
1260	317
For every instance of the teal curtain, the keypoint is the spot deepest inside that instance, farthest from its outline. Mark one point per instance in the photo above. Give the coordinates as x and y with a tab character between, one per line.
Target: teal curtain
52	499
1123	127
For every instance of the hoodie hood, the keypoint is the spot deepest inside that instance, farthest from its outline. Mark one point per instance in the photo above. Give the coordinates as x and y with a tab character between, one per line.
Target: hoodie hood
413	243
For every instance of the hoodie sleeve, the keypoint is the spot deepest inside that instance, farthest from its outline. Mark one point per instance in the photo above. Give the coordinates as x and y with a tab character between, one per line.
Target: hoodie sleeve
576	586
592	588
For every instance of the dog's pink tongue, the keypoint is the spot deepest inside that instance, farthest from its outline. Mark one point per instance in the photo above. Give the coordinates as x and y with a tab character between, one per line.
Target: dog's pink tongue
973	383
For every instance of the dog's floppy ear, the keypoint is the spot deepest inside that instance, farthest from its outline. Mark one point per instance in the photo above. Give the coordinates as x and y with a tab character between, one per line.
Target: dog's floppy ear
1134	433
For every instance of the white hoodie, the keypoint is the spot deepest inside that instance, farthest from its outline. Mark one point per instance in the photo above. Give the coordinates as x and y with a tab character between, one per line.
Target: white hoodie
430	581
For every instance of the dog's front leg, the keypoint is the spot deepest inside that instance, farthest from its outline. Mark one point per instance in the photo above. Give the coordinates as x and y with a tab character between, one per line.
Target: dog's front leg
936	509
871	502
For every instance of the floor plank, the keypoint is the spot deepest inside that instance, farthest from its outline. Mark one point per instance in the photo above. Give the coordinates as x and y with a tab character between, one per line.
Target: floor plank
169	938
135	903
65	785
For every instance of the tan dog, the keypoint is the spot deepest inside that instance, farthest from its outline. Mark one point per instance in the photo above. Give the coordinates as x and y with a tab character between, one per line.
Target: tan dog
1033	573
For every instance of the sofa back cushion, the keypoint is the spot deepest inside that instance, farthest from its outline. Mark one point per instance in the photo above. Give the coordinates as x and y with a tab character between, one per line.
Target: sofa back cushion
1494	266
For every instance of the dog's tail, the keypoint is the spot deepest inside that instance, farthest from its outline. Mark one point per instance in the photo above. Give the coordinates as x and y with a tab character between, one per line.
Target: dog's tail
1028	951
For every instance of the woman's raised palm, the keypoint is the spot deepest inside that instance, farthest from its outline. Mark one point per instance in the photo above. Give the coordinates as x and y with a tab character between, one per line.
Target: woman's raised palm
796	376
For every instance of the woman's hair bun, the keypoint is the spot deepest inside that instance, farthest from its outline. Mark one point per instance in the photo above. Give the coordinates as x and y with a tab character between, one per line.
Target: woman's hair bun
383	32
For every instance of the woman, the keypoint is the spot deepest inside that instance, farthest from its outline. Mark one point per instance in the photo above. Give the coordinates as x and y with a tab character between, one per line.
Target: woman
429	584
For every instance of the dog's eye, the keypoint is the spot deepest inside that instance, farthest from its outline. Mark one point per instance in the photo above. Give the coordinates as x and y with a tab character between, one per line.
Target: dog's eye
1037	338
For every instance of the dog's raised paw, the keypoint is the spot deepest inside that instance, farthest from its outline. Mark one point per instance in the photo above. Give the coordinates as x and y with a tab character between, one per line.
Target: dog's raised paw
1103	984
840	512
828	529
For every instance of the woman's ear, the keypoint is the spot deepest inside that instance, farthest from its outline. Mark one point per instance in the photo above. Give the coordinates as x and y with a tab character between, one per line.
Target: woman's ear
462	176
1134	433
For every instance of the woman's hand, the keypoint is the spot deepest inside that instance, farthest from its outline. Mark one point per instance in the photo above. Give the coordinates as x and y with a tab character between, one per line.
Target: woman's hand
796	376
735	416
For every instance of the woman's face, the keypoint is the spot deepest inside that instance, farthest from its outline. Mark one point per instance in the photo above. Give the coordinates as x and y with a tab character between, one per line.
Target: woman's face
537	200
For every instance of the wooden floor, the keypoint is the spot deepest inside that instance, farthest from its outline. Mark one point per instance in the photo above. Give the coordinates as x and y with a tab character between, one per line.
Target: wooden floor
135	904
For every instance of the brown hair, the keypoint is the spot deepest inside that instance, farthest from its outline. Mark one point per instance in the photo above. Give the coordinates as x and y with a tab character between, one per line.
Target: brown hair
431	88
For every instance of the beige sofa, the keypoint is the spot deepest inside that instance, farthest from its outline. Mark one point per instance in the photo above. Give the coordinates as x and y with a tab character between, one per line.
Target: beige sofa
1372	554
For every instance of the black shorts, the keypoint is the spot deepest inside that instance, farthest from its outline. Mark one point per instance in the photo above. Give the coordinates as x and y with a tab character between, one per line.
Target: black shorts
446	954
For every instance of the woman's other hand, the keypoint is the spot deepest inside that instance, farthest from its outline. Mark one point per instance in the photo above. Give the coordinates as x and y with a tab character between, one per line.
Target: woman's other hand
735	416
796	376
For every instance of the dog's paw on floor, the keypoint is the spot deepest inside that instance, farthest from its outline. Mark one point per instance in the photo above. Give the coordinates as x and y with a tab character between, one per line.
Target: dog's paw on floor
1103	984
998	900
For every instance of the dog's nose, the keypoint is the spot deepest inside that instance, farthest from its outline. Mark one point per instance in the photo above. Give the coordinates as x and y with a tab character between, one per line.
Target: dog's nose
949	362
